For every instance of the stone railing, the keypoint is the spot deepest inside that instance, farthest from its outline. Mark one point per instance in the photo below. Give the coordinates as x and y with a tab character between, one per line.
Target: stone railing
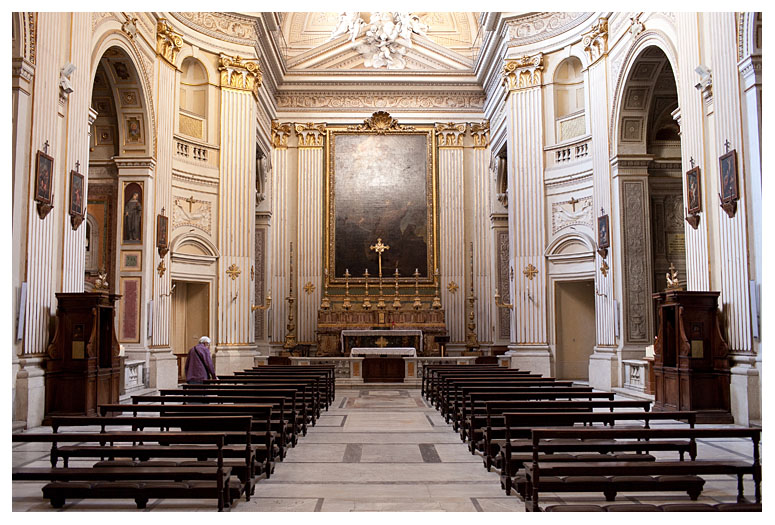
134	375
636	375
568	152
195	153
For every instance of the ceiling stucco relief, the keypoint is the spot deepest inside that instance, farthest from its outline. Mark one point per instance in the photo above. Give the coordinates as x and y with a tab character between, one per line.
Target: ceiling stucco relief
428	102
220	25
528	29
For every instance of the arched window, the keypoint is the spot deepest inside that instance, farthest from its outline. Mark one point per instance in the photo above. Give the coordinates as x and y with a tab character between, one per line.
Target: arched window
569	99
192	115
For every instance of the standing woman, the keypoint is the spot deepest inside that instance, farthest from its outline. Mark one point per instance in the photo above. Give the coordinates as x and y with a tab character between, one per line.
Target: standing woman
199	365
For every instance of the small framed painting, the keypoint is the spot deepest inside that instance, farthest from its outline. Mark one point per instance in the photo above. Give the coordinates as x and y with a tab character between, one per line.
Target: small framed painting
693	197
131	260
603	235
162	224
44	169
729	187
76	199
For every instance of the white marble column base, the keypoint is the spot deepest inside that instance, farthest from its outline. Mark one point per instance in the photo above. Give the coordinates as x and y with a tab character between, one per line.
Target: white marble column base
603	369
162	368
232	359
30	399
744	392
536	359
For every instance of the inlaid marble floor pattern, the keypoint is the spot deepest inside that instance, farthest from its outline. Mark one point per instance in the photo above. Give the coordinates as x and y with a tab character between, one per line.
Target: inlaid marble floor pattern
373	450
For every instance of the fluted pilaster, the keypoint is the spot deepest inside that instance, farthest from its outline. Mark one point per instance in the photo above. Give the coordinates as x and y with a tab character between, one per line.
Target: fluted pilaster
524	107
733	263
78	102
278	247
482	239
452	250
691	121
237	217
310	228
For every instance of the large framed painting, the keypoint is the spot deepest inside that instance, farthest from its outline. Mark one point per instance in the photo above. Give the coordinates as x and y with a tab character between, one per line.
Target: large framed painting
381	185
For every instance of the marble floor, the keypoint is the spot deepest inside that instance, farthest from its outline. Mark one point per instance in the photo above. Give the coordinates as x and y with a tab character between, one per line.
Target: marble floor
378	449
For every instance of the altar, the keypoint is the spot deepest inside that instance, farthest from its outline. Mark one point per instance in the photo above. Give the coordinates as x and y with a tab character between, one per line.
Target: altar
379	352
381	339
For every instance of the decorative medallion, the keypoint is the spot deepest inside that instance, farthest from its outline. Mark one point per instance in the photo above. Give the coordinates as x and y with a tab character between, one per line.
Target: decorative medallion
239	74
381	122
161	268
309	288
168	42
381	342
452	287
530	271
233	272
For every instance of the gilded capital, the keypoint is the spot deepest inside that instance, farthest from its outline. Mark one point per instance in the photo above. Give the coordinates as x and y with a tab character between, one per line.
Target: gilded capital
243	75
310	134
595	40
450	134
480	131
280	134
524	72
168	42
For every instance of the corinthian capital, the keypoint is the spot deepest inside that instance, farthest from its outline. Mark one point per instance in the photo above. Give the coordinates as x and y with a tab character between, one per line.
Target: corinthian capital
480	131
450	134
280	134
595	40
168	42
243	75
310	134
524	72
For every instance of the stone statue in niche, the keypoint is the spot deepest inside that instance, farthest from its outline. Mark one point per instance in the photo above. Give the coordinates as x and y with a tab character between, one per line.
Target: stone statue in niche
133	213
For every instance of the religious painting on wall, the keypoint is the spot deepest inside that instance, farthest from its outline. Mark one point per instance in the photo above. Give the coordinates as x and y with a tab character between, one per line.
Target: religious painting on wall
131	261
603	235
161	234
133	213
381	186
729	192
134	130
76	199
43	181
693	197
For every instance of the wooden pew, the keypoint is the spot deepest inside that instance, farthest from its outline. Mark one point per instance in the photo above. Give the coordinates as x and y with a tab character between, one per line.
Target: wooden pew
325	378
138	483
328	370
618	476
315	387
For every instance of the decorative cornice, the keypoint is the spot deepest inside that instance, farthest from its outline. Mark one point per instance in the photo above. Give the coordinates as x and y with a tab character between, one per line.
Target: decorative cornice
534	28
595	40
310	134
380	122
425	102
239	74
450	134
22	69
280	134
523	72
480	131
223	26
168	42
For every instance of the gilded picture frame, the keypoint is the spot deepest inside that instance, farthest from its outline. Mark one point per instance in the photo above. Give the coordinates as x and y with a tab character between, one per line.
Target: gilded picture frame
44	180
729	184
381	183
76	203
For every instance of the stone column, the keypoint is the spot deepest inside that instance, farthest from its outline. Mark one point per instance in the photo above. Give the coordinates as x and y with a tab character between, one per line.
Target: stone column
734	266
482	237
78	102
240	80
602	362
309	246
452	246
529	349
278	246
691	119
162	364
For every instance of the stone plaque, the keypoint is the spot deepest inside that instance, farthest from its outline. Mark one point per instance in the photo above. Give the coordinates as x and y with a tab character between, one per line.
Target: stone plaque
676	244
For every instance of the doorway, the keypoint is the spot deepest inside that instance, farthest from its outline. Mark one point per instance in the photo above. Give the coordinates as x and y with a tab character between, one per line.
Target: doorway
190	318
575	321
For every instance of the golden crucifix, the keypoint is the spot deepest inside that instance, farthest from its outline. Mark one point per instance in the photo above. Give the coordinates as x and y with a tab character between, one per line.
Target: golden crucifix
379	248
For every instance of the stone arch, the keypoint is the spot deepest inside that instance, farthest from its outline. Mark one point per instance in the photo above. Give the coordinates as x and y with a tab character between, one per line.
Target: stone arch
23	35
193	99
190	243
569	99
749	37
571	244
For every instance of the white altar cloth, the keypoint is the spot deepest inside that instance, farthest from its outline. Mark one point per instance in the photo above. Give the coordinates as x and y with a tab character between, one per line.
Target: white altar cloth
393	352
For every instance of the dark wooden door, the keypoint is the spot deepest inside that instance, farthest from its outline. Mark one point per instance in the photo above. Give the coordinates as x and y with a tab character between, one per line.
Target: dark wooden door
383	370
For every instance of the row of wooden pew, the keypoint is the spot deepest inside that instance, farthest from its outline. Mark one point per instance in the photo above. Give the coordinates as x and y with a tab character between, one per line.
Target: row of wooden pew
215	441
545	435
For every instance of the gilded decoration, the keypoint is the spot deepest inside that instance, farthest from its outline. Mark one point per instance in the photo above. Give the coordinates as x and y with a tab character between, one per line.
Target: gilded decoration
280	134
310	135
381	184
168	42
233	272
595	40
303	101
524	72
450	134
452	287
530	272
309	288
480	131
243	75
380	122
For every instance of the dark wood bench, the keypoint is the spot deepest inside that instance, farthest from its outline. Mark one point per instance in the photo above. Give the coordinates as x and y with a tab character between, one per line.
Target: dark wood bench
667	507
291	370
316	387
613	477
517	447
324	381
132	482
266	450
